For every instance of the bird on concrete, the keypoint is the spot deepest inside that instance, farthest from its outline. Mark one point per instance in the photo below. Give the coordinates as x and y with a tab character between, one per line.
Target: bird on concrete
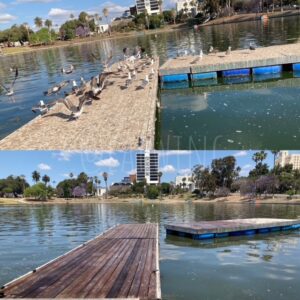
228	52
211	50
145	82
128	80
76	111
75	87
42	107
252	46
57	88
140	142
10	90
134	75
152	73
201	54
69	70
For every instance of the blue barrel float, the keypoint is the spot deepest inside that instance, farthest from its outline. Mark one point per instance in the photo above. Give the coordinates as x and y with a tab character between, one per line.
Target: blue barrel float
175	78
296	67
236	73
204	76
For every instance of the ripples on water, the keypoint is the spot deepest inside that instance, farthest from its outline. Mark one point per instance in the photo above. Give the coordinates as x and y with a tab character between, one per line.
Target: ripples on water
41	69
259	267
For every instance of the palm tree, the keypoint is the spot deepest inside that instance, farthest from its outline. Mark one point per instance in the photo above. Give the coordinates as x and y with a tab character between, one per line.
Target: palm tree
72	16
46	179
38	22
174	15
105	177
275	153
26	26
71	175
259	157
160	174
36	176
48	24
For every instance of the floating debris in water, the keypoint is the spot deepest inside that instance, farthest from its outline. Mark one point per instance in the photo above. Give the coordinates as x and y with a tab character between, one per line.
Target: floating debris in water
238	131
230	141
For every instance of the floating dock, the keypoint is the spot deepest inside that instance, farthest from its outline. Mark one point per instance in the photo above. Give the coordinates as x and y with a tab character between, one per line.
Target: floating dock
218	229
115	122
121	263
240	63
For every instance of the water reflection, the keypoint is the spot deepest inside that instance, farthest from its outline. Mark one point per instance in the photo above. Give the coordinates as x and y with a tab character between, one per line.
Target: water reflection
40	69
32	235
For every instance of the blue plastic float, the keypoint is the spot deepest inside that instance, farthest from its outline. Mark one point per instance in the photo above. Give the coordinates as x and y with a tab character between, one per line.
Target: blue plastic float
204	76
267	70
175	78
236	73
296	67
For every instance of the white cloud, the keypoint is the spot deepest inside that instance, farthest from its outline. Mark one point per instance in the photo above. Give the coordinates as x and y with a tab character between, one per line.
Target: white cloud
109	162
184	172
44	167
175	153
131	172
241	154
34	1
168	169
246	169
63	155
58	13
6	18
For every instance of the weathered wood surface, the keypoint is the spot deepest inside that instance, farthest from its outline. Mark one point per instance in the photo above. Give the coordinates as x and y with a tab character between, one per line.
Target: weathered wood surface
115	122
230	225
121	263
239	59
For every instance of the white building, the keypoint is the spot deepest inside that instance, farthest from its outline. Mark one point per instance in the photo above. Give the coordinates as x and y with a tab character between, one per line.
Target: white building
149	6
147	166
284	158
102	28
185	182
186	7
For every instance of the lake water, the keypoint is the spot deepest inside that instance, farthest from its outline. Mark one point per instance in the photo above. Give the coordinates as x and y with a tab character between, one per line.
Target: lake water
260	267
41	69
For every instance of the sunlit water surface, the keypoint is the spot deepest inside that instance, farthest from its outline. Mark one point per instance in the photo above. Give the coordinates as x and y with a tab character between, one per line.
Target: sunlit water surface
40	70
260	267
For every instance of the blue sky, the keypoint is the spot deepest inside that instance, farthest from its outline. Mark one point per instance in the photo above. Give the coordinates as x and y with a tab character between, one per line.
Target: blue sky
21	11
58	165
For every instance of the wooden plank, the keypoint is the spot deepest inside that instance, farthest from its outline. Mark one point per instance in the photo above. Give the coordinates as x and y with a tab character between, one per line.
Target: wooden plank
118	264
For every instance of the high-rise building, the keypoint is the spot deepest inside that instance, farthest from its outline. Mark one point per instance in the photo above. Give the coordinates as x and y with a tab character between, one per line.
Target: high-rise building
284	158
149	6
147	166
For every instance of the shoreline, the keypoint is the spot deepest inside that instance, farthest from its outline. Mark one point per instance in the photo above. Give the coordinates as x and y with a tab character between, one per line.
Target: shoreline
168	28
165	200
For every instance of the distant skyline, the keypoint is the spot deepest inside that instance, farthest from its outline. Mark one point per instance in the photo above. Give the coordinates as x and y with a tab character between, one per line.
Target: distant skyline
24	11
58	165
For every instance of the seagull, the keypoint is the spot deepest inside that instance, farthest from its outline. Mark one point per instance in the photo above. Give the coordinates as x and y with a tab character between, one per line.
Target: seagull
83	82
152	73
211	50
140	142
145	82
76	111
128	80
228	52
134	75
10	90
201	54
75	87
252	46
56	89
68	71
42	107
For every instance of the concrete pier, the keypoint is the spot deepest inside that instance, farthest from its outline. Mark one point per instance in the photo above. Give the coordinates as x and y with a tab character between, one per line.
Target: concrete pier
218	229
189	67
115	122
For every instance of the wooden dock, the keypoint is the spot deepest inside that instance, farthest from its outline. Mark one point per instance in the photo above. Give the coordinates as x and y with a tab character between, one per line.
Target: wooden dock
115	122
121	263
225	228
184	68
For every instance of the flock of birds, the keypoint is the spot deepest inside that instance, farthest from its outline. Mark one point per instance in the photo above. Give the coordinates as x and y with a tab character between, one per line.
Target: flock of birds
133	62
211	50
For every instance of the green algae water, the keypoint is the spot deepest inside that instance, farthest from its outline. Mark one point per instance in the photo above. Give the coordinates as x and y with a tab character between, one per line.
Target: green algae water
258	115
264	266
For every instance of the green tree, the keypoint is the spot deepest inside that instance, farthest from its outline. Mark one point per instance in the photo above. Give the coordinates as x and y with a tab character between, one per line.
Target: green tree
38	22
39	191
48	24
46	179
105	177
36	176
152	192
